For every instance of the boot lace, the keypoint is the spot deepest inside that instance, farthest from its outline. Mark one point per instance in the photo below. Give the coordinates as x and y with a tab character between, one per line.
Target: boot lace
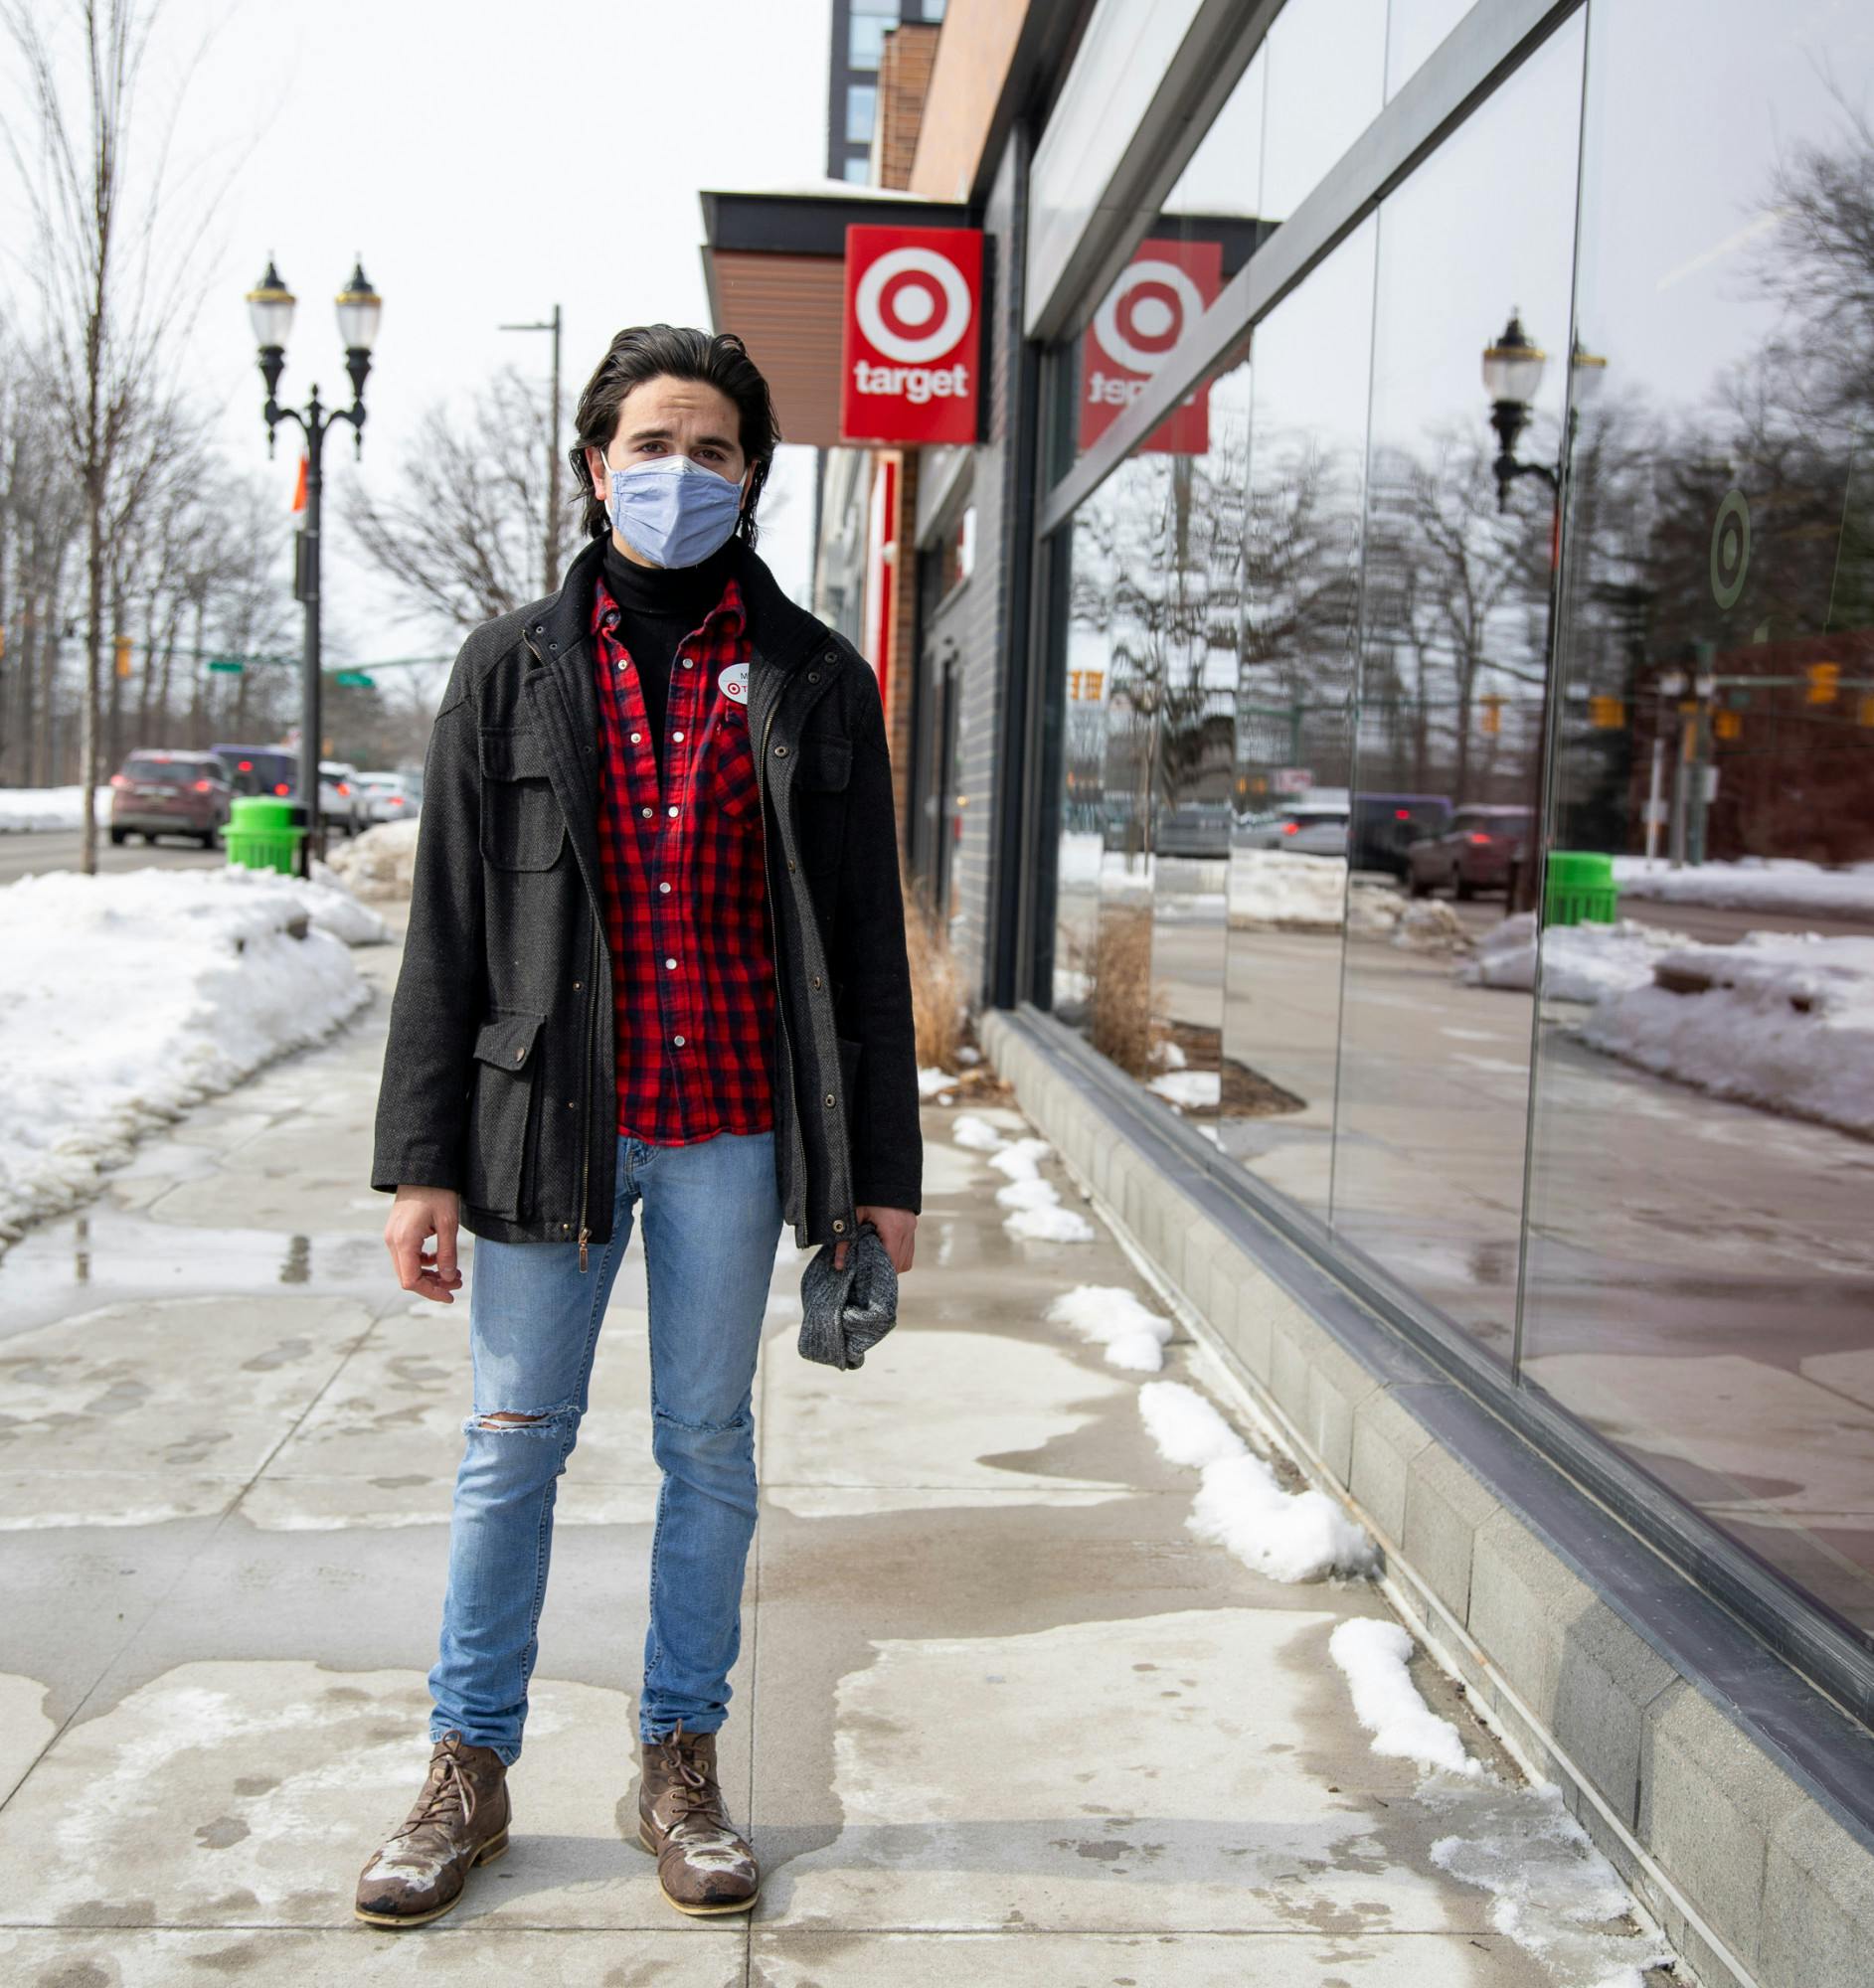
693	1794
449	1798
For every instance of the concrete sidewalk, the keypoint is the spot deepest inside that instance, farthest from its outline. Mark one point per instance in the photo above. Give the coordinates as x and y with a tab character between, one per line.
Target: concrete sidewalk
999	1715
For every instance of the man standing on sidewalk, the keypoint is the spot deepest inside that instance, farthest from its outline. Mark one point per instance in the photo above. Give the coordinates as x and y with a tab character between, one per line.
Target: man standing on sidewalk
655	969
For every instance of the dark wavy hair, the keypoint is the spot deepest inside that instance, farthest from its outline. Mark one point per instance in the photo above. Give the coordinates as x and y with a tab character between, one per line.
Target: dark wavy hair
645	351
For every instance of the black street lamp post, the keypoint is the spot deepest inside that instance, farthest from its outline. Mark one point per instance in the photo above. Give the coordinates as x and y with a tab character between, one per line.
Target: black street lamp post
270	307
1512	372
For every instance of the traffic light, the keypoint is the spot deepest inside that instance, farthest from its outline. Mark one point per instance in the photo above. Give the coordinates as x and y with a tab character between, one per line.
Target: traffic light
125	646
1490	718
1824	682
1728	724
1607	714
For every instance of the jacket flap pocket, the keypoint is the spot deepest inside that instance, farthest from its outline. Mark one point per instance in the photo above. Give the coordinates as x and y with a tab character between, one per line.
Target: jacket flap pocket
508	1041
824	762
513	753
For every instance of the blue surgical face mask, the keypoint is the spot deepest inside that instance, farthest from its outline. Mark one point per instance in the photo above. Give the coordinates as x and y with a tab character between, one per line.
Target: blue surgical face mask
672	510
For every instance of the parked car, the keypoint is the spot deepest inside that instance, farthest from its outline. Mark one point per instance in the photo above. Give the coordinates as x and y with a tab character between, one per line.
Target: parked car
261	769
1385	826
340	804
1303	828
170	793
1473	853
1197	829
388	796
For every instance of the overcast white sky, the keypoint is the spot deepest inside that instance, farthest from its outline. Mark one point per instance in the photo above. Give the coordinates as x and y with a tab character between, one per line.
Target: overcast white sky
488	161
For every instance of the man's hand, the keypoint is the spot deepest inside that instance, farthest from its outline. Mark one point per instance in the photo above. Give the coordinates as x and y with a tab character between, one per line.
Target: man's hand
898	1229
416	1214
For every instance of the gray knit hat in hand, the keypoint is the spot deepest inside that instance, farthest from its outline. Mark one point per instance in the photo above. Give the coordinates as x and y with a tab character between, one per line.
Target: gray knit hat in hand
847	1312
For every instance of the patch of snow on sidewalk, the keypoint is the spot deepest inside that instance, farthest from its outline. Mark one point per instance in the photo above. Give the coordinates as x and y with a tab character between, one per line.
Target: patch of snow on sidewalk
1241	1505
1049	1225
127	998
930	1081
1784	1019
1110	1315
1578	962
976	1133
29	810
1021	1159
1372	1656
1272	887
1753	884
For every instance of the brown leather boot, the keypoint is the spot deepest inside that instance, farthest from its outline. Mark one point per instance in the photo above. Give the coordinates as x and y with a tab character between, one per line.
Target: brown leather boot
703	1865
460	1820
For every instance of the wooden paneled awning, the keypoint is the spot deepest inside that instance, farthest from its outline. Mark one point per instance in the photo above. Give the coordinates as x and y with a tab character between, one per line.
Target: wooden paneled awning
776	267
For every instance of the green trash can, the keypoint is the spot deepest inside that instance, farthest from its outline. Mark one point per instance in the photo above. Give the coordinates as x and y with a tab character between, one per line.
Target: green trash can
1579	889
261	835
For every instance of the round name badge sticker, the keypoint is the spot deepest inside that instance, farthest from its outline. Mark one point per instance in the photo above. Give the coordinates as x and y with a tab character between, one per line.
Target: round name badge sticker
734	682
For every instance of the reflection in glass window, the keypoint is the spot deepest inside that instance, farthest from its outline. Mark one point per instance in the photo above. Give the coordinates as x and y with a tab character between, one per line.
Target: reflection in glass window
1414	28
1435	1062
866	39
862	107
1700	1276
859	170
1327	71
1287	876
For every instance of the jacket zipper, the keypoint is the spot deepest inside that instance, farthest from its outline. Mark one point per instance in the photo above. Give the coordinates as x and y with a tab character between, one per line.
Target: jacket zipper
586	1098
795	1144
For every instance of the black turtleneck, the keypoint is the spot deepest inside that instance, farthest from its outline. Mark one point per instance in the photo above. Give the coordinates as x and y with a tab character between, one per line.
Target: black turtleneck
657	607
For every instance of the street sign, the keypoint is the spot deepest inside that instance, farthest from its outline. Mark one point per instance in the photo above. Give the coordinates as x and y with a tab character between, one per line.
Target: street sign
1292	779
231	666
1165	289
353	679
914	303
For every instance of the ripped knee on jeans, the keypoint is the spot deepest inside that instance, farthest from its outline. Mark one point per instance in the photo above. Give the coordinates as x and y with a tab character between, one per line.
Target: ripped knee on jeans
498	1421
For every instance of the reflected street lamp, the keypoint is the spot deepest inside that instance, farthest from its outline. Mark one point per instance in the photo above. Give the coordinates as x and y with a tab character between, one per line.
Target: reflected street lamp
270	307
1512	376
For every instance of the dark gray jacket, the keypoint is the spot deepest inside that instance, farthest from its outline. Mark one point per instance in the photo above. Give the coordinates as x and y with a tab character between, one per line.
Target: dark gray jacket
498	1076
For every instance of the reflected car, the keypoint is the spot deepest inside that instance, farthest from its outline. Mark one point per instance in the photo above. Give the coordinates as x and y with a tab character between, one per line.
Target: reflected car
261	769
1193	829
170	793
1475	853
340	805
1307	828
388	798
1385	826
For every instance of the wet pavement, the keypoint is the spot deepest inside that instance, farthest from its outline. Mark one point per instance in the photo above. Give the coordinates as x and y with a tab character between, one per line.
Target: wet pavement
999	1714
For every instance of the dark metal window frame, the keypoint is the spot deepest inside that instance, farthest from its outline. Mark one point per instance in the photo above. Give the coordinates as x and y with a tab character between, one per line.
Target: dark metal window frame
1492	41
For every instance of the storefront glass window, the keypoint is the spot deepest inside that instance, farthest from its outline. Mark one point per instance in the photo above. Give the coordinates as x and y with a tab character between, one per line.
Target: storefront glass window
1700	1278
1414	28
1288	873
1434	1068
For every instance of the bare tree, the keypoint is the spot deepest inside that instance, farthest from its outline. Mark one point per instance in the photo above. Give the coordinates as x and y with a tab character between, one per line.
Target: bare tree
461	530
105	314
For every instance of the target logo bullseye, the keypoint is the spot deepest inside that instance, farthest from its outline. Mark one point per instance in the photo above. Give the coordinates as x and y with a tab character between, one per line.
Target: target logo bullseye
1165	289
912	301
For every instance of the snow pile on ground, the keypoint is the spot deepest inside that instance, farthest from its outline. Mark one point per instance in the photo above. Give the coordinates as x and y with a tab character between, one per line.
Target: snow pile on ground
1272	886
381	861
1189	1090
1430	924
1241	1505
1578	962
1372	1656
1110	1315
1551	1892
1035	1211
1753	883
932	1080
1782	1020
27	809
127	998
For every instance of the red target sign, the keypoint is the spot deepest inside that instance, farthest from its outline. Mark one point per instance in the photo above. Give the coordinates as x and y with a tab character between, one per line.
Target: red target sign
1159	294
914	301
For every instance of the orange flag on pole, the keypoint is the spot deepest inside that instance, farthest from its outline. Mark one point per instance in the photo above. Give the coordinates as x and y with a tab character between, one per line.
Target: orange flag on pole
299	488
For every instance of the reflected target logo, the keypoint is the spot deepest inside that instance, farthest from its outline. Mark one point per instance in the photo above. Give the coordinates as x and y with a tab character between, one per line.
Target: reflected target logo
898	297
1145	313
1157	299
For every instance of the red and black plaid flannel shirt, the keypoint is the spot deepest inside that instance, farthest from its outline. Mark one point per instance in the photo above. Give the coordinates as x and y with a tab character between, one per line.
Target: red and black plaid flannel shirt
686	913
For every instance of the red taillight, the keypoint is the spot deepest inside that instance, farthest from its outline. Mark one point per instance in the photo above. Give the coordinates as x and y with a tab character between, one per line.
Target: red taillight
247	765
1401	814
282	789
343	788
1292	828
1481	841
397	800
203	786
119	780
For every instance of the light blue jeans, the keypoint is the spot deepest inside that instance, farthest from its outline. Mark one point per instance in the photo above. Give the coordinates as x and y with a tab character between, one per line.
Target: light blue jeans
712	1223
